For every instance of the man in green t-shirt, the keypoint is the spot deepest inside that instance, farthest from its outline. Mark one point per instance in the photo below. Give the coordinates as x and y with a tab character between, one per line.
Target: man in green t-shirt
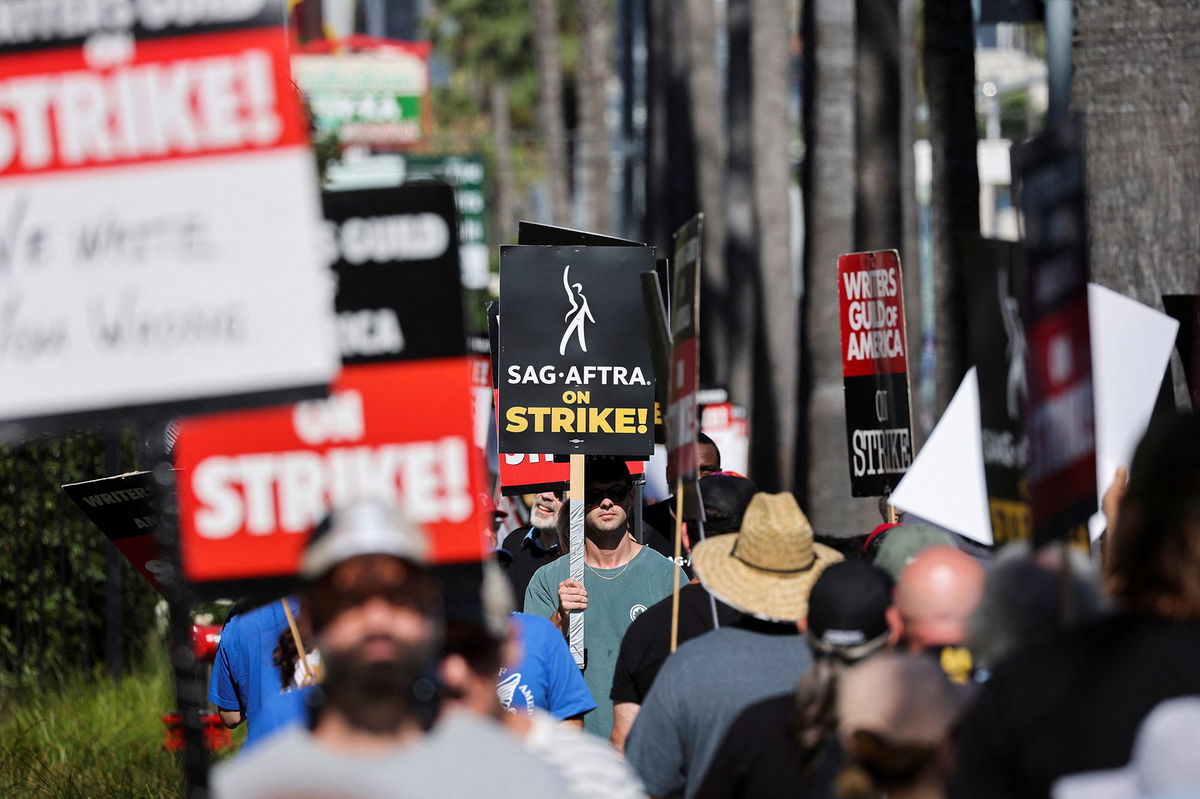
623	579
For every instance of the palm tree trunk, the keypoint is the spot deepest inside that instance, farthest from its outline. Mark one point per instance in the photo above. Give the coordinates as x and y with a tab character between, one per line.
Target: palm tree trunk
550	106
595	19
954	193
1135	84
829	118
774	424
503	178
704	91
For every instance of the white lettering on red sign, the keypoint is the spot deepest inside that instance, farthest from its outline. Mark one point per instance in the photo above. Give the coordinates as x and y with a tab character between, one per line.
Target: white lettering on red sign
73	119
290	492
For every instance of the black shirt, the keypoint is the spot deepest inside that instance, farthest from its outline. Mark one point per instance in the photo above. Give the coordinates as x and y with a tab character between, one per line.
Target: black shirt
1073	704
528	555
647	642
757	759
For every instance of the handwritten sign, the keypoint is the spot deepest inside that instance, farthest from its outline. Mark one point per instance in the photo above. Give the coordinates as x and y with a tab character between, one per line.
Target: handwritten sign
159	216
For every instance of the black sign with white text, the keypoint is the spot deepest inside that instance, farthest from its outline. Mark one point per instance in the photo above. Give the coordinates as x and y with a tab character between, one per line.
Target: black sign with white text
575	372
395	253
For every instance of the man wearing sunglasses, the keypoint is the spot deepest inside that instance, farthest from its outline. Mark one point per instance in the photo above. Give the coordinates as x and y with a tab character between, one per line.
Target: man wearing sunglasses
622	579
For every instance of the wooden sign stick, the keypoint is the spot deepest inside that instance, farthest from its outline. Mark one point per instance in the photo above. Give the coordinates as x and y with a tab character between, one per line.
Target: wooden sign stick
300	653
575	495
675	571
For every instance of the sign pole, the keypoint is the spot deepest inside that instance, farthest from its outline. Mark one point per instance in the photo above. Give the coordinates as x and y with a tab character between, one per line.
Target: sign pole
189	686
675	571
575	495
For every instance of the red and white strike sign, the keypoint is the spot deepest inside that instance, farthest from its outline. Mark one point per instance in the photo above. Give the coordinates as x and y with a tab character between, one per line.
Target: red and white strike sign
252	485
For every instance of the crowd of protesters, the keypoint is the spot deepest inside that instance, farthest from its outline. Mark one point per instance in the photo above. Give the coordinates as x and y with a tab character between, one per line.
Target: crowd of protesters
904	663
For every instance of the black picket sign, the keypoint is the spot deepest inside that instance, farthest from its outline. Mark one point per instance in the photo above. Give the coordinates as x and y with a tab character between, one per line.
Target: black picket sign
575	372
399	293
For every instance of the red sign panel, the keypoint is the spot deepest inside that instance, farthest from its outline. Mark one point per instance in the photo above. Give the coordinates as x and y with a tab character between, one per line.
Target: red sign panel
874	370
252	485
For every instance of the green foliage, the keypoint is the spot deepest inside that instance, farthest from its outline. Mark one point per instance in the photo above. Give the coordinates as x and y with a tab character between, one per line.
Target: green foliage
52	566
93	738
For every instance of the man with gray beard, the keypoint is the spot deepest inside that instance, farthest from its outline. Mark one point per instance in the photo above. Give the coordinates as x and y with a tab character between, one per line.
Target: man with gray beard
533	546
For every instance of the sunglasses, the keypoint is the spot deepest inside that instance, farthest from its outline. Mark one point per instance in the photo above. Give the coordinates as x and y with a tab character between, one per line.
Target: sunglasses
618	492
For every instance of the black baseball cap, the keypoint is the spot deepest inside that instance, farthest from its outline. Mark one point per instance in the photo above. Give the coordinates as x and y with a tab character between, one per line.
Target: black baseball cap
847	609
725	499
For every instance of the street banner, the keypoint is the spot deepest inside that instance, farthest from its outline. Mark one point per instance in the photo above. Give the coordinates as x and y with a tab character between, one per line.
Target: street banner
1060	420
466	174
123	508
395	254
378	98
996	346
684	374
253	485
874	370
159	216
575	373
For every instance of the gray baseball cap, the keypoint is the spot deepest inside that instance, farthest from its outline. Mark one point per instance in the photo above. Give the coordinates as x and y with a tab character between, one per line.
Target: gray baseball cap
365	527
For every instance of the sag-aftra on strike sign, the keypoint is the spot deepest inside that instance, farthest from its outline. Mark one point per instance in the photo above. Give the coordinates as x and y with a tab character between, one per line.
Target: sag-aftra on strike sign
874	370
574	372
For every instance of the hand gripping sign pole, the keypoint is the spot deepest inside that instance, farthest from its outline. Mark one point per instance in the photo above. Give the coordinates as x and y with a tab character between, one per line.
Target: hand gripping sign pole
576	503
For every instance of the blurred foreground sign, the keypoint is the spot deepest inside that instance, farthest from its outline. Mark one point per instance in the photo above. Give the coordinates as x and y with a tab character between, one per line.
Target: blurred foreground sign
123	507
158	216
1061	413
874	370
252	485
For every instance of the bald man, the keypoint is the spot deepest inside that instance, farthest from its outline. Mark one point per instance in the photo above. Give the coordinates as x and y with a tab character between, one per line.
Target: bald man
935	596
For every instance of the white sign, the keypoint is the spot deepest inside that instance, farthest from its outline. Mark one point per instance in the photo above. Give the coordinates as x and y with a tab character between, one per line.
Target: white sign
151	258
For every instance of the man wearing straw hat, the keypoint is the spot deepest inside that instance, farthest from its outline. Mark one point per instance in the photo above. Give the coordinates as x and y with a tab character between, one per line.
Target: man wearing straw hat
765	571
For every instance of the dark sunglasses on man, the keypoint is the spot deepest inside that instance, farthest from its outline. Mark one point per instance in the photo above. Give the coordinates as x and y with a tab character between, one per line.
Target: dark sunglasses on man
617	492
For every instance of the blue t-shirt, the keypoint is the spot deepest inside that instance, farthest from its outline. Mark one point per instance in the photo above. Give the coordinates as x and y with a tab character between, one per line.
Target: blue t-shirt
244	676
546	676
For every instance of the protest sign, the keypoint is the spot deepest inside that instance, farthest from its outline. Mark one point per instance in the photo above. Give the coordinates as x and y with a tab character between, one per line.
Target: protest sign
660	349
536	233
377	99
522	473
254	484
874	370
1060	421
684	373
1130	347
123	507
395	253
575	375
466	174
1185	309
996	346
158	199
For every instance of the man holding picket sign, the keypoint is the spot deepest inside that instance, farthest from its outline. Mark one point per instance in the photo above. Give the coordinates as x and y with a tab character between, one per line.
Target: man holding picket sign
582	385
623	578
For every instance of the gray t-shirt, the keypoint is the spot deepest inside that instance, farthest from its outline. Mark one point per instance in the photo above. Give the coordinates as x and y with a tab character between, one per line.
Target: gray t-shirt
697	695
615	598
464	755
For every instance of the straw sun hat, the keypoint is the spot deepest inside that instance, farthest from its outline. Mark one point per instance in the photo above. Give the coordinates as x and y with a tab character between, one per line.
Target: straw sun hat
769	566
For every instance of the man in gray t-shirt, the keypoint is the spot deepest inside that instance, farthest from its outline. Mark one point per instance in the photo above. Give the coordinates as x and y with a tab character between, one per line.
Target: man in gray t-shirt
623	579
377	614
765	570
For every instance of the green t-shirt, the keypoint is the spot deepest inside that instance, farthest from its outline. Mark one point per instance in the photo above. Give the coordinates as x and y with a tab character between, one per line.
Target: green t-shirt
613	604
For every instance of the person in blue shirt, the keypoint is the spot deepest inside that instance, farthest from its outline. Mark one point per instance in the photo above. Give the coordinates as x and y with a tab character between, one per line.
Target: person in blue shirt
245	680
544	675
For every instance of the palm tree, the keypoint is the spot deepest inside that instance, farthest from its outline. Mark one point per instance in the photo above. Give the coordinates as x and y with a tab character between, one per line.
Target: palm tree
1135	86
595	20
550	105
